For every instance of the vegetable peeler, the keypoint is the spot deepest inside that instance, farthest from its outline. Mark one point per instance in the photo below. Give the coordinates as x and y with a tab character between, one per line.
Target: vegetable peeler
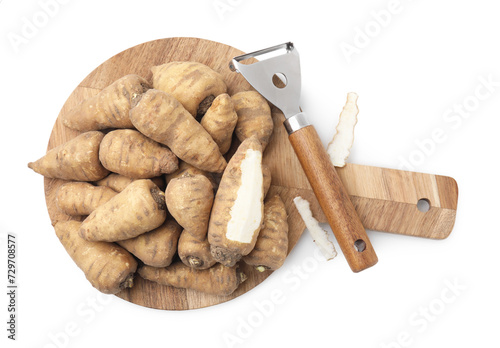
277	78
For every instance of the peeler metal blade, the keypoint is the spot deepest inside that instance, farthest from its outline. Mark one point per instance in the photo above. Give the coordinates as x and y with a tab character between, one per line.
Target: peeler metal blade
284	64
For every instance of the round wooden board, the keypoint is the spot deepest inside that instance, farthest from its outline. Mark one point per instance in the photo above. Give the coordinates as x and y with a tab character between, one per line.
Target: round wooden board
279	155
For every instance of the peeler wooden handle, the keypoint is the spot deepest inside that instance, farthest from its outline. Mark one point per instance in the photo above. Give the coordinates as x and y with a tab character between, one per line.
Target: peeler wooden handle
333	199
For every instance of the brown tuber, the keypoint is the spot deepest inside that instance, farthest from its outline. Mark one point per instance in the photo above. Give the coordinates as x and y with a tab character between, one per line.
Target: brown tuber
162	118
189	199
138	209
157	247
266	174
108	267
254	117
219	121
132	154
75	160
82	198
272	244
109	108
118	182
187	169
216	280
193	84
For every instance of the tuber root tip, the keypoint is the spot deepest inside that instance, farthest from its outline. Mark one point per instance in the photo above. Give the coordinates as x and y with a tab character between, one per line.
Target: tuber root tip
195	262
262	268
241	276
128	282
159	198
225	256
204	106
135	99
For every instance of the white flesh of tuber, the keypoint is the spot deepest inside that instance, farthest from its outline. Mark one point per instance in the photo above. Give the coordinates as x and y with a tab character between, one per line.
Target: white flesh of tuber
319	235
246	213
340	146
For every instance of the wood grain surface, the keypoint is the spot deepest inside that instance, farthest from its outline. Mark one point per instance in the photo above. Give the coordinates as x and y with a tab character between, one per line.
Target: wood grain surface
385	199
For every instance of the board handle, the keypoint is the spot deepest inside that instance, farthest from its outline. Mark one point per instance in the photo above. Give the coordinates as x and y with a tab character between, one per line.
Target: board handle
333	199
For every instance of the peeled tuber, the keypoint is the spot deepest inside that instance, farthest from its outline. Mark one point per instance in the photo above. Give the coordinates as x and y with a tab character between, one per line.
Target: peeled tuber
237	212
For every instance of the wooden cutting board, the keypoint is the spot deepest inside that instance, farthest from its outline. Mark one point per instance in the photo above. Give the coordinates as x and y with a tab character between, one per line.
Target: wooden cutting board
385	199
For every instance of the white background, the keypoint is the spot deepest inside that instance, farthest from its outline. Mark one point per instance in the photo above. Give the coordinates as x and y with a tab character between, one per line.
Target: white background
425	58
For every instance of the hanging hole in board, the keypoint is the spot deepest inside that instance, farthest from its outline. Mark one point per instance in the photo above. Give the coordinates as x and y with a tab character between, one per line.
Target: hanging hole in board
360	245
279	80
423	205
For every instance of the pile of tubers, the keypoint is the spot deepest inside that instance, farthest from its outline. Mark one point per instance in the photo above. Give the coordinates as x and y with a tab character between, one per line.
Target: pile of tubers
149	190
